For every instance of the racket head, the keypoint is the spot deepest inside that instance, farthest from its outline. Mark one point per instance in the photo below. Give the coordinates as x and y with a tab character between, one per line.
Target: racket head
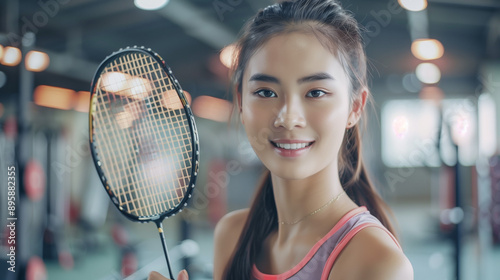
141	130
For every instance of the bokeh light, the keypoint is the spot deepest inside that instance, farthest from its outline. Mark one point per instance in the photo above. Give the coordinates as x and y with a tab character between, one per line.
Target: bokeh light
428	73
413	5
427	49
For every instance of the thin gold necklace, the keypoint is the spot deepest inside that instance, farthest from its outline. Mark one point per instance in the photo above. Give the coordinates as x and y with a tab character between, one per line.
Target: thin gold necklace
313	212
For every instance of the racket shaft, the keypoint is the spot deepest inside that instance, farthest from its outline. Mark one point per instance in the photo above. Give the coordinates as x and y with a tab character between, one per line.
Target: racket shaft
165	250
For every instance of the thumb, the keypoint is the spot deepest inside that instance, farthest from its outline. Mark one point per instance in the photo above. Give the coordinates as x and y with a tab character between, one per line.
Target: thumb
183	275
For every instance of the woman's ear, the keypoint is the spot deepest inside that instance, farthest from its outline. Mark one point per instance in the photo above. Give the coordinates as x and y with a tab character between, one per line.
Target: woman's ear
358	106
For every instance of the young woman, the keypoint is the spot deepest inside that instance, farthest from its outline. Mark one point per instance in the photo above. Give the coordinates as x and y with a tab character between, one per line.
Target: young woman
300	83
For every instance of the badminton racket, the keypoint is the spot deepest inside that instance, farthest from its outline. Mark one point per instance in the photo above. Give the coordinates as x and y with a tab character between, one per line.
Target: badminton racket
143	137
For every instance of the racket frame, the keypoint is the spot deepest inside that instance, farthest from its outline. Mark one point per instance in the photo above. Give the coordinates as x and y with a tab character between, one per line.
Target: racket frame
158	218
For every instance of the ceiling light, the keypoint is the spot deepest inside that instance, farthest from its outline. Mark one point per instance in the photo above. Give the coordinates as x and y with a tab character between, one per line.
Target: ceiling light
37	61
172	101
82	101
11	56
114	81
413	5
428	73
150	4
427	49
138	88
54	97
212	108
227	55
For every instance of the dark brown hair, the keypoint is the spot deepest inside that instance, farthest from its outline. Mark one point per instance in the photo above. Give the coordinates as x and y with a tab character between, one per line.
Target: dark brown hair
339	32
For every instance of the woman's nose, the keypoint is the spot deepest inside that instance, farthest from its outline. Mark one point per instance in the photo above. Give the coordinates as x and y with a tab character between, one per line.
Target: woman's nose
290	116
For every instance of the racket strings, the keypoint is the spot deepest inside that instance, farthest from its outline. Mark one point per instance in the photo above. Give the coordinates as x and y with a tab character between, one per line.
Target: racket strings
150	192
177	114
132	191
144	137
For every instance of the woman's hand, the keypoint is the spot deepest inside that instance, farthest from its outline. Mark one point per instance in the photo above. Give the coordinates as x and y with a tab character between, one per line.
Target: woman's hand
183	275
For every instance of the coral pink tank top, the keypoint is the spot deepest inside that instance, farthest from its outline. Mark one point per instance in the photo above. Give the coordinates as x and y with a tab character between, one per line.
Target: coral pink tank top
319	261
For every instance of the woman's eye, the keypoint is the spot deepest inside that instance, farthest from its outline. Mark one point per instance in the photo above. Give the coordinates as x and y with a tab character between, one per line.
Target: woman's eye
265	93
315	93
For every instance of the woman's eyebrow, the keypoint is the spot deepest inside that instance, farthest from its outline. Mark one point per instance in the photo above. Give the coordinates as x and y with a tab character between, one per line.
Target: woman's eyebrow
316	77
270	79
264	78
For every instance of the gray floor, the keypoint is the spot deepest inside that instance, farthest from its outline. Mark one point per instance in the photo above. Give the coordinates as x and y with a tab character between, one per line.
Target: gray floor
430	253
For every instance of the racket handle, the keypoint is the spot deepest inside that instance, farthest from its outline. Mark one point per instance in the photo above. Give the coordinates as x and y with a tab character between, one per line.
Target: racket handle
165	250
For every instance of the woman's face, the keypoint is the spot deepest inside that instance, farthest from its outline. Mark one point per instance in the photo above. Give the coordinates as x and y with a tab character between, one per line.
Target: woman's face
295	105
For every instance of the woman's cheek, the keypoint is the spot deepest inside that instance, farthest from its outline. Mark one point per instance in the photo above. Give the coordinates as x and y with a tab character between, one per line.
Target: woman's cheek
255	111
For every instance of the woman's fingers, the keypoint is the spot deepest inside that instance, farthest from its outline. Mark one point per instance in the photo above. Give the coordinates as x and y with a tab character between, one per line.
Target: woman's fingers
153	275
183	275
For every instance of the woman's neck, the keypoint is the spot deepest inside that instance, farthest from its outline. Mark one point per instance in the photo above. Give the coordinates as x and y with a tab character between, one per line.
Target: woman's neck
297	199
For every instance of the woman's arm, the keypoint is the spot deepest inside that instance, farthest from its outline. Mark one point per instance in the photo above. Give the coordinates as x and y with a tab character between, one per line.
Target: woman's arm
372	255
390	265
226	236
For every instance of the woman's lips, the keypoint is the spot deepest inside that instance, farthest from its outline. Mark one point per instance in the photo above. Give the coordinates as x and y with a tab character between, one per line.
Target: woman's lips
291	148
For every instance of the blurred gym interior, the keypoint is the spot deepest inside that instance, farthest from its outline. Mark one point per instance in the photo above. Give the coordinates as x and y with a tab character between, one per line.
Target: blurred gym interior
432	139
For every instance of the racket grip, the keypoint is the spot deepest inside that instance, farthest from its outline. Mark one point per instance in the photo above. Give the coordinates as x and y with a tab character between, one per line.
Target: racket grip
165	250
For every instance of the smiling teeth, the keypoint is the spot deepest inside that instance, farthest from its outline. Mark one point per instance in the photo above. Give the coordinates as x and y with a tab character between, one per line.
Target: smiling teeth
294	146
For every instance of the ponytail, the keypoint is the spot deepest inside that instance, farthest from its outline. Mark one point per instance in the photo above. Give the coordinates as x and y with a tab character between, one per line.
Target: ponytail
355	180
262	220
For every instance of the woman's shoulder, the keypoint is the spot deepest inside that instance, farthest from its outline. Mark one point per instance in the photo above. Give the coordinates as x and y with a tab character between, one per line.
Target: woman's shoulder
232	221
372	254
226	236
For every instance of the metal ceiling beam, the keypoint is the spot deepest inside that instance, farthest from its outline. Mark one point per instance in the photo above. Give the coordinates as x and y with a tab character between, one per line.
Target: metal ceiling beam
198	24
65	64
87	13
68	65
193	20
470	3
